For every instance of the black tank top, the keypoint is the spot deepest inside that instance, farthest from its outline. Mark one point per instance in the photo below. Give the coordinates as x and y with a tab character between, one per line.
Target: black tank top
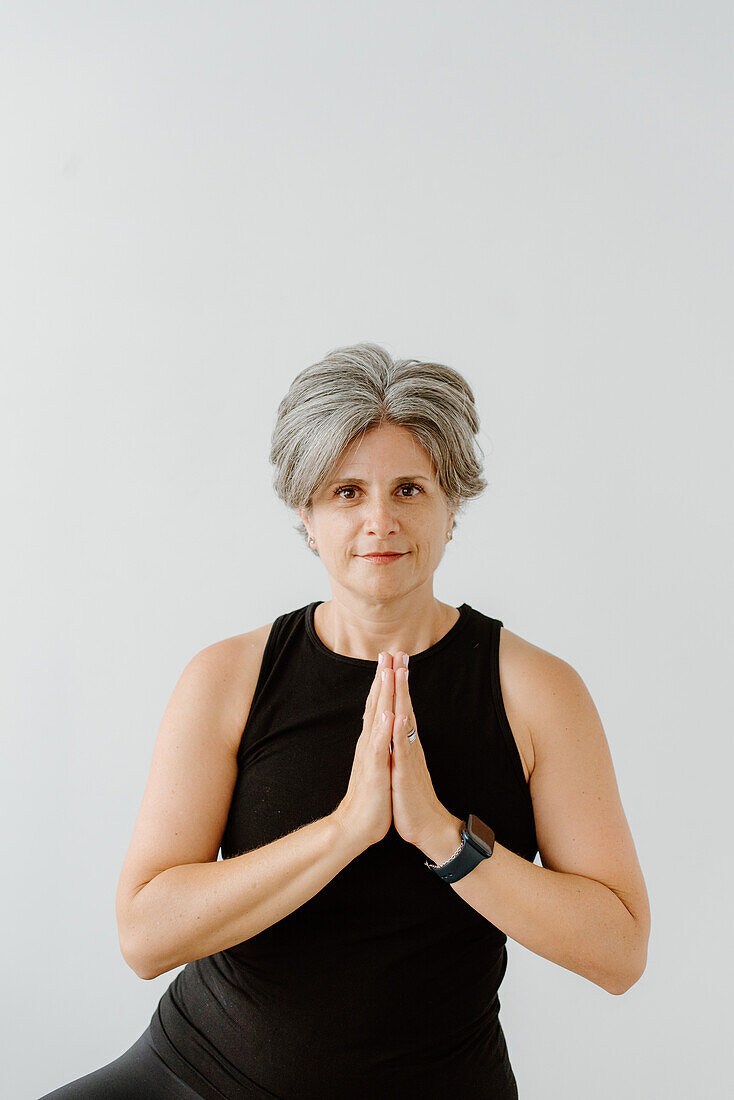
385	982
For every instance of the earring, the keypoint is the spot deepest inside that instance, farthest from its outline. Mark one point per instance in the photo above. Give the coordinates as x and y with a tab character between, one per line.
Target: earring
311	541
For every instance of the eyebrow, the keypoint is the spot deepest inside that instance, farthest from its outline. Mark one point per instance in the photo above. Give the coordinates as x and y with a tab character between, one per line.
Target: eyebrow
361	481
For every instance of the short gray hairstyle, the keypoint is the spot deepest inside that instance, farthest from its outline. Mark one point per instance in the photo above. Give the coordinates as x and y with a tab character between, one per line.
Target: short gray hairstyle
354	389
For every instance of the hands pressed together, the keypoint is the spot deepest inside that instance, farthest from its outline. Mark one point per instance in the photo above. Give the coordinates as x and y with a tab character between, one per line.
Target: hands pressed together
390	781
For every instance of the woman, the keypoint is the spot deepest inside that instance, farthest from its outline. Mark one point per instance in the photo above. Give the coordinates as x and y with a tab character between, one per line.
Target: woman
402	763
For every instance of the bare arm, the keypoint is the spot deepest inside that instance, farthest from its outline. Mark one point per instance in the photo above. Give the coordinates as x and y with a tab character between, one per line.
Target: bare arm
586	908
175	901
194	910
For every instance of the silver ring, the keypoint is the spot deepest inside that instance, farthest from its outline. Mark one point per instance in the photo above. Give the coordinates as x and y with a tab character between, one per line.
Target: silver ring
412	735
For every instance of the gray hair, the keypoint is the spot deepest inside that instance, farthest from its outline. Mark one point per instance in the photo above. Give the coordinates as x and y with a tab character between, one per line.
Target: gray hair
357	388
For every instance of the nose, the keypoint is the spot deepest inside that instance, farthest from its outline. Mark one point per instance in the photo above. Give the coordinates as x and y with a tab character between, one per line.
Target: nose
381	521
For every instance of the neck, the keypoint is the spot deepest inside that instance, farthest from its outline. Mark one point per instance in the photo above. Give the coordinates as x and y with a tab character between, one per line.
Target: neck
364	628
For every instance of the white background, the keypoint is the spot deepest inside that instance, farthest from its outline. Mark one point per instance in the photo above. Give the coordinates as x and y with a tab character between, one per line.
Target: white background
199	199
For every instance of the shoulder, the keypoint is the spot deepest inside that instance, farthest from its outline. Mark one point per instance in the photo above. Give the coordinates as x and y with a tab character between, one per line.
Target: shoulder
227	672
538	688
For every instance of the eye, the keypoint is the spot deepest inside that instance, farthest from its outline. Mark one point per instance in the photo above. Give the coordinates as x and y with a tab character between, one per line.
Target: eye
411	485
352	488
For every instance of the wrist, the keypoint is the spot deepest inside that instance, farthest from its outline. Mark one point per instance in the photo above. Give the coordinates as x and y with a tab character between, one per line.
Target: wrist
441	843
344	838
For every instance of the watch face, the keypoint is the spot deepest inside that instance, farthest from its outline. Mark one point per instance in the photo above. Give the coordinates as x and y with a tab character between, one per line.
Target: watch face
480	833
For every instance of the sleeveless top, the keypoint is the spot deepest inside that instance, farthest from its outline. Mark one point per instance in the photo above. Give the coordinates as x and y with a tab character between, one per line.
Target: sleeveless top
385	982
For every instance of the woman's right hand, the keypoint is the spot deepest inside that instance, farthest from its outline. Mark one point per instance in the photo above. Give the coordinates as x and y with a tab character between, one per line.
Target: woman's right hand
365	812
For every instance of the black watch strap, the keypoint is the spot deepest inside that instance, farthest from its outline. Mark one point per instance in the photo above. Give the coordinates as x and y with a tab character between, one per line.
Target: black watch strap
477	844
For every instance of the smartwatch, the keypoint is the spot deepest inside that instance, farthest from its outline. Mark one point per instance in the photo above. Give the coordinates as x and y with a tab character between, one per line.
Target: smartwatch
477	843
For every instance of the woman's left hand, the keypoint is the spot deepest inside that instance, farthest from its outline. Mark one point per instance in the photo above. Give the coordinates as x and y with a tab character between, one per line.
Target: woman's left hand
417	812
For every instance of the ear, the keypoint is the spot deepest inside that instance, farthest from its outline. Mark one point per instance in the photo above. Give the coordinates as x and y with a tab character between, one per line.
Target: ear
304	518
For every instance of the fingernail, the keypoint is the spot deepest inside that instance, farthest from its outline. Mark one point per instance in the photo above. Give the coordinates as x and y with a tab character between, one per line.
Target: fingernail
405	659
384	673
381	659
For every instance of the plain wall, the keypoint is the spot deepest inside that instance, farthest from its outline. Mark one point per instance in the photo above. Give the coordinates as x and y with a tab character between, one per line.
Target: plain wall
198	200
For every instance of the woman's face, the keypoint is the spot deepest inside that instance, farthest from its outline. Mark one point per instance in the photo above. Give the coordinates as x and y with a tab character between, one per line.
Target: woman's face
382	496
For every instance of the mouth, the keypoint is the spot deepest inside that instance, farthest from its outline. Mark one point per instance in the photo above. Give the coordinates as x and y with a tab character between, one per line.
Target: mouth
381	559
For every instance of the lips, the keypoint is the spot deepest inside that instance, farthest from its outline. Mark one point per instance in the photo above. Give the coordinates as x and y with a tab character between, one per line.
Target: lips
381	557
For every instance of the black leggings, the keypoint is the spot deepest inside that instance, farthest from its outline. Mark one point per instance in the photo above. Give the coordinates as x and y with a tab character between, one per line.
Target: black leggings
138	1074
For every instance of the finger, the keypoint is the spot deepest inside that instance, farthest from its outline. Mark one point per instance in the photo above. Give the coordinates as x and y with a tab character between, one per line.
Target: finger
402	695
376	700
404	716
383	661
377	678
386	700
